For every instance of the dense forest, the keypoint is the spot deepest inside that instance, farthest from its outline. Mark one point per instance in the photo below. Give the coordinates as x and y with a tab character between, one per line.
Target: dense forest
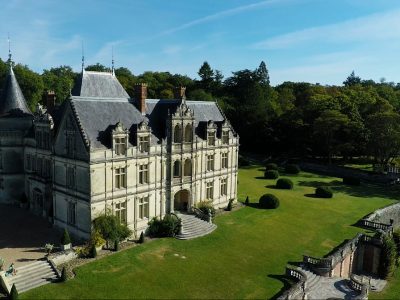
293	119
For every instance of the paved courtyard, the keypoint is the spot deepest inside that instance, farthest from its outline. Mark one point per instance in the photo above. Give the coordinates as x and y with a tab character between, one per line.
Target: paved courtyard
23	235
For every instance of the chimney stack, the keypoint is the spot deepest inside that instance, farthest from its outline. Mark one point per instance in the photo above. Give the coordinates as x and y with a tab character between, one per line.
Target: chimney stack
179	92
141	95
50	101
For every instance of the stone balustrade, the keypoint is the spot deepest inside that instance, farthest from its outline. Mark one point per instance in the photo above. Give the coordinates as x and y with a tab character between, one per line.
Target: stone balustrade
296	291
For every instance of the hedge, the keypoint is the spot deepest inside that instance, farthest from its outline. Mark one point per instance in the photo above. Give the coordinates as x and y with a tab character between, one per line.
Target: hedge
268	201
271	166
284	183
271	174
323	192
351	181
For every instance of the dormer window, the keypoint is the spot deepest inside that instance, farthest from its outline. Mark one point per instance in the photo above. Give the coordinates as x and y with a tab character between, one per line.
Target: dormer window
225	137
120	146
120	139
211	138
144	143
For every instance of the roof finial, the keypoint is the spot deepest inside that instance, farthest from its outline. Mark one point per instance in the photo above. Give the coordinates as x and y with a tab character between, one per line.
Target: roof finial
9	50
112	60
83	58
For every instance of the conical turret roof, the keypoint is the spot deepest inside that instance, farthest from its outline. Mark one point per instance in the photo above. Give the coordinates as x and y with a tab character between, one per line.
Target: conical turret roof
12	101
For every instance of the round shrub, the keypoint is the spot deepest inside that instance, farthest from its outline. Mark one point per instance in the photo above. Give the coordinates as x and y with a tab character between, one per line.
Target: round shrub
271	174
271	166
323	192
284	183
268	201
351	181
292	169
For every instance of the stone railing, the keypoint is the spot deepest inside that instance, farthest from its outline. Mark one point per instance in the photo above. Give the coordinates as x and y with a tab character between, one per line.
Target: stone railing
201	215
321	266
297	290
359	286
386	215
375	225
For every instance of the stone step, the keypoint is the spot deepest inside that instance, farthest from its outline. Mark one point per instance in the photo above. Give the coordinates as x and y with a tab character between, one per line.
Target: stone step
32	276
198	231
196	226
28	272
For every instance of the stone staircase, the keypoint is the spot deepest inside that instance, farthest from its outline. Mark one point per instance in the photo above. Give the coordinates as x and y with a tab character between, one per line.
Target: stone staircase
318	287
33	275
193	227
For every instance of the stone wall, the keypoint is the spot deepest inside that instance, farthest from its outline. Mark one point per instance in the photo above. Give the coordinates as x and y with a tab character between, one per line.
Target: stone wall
384	215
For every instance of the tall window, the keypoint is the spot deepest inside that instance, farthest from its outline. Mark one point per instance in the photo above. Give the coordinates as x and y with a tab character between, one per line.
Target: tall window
120	178
70	144
120	146
188	133
144	143
211	138
70	177
143	174
177	134
210	162
224	160
188	167
177	168
143	207
210	190
224	187
225	137
39	166
71	213
120	212
47	168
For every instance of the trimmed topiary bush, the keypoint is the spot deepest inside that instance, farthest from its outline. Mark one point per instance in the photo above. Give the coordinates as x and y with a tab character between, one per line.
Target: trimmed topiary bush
229	207
271	166
323	192
141	238
284	183
292	169
64	276
93	251
116	245
65	240
247	201
351	181
14	293
169	226
271	174
268	201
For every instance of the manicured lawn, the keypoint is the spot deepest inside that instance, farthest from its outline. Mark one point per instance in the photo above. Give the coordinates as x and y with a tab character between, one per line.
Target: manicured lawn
243	258
392	290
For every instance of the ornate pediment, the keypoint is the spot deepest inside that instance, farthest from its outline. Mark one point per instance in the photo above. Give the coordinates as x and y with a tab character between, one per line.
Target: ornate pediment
211	125
183	111
143	126
41	115
120	129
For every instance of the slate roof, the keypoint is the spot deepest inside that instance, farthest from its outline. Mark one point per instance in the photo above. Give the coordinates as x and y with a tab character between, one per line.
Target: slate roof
12	101
98	84
98	117
99	102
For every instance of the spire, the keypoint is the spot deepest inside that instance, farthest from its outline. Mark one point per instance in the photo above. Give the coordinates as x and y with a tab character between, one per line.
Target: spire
83	59
112	61
12	100
9	61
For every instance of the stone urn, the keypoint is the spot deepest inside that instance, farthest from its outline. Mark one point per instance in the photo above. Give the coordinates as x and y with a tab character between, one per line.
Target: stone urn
66	247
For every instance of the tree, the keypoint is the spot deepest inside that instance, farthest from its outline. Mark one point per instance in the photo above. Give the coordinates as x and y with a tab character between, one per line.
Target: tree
352	79
60	80
388	257
207	76
98	68
31	85
262	73
326	126
384	136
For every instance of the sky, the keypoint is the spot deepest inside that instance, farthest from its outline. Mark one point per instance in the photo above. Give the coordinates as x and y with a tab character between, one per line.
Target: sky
317	41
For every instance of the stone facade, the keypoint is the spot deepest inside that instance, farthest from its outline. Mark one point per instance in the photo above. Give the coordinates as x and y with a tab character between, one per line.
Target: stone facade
102	151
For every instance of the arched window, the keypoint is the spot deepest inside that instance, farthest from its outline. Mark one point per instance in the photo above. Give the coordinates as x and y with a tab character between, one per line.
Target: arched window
188	167
177	168
177	134
188	133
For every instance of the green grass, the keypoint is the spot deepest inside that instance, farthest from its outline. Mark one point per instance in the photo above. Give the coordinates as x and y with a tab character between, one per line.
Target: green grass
392	290
244	258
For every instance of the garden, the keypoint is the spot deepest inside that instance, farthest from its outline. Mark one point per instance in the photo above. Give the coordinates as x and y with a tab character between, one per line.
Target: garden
247	254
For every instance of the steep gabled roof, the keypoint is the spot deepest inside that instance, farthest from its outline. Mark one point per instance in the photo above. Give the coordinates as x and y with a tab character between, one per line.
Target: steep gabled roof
12	101
98	84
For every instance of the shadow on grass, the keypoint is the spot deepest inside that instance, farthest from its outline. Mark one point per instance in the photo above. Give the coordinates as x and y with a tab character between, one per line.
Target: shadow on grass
287	283
260	177
272	186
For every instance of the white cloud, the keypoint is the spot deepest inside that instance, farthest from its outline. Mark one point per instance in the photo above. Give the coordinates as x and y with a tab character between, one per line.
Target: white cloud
376	27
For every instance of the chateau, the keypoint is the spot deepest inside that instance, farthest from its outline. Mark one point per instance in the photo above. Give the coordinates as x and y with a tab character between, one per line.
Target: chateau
102	151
